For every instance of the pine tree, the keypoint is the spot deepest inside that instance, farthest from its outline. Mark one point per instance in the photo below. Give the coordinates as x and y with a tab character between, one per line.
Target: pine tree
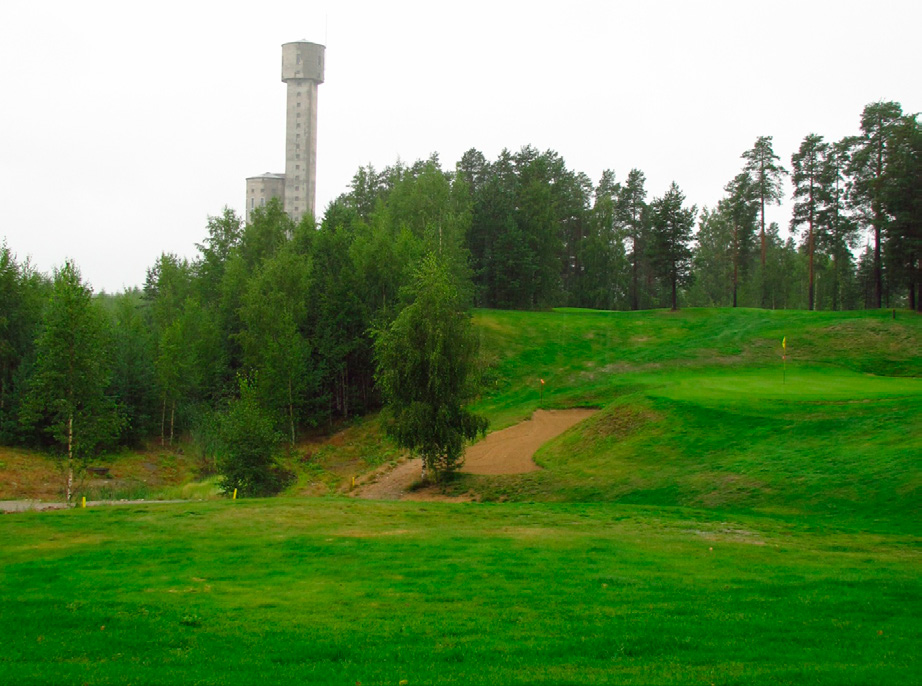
767	177
866	169
812	196
671	239
631	211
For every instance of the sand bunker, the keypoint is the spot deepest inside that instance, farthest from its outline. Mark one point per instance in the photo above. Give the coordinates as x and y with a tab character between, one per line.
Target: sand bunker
509	451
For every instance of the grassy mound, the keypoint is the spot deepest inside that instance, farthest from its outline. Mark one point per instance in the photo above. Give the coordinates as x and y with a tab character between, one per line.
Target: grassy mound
699	410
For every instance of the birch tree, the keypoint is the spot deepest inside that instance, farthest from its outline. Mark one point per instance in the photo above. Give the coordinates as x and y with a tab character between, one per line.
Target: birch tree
68	391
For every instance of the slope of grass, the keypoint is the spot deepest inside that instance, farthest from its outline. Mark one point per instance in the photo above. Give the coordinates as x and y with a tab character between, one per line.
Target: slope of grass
699	410
587	357
150	473
339	591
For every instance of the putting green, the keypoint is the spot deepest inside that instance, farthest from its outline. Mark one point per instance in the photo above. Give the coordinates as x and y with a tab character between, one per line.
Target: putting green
798	384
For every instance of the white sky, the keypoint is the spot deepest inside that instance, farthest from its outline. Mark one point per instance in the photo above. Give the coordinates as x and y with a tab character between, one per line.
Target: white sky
124	125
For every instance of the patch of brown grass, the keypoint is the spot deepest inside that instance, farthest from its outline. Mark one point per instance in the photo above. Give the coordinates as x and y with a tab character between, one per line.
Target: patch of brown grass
619	422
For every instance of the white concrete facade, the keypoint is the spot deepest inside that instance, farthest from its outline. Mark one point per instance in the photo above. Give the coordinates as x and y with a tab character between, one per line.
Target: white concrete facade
302	72
261	189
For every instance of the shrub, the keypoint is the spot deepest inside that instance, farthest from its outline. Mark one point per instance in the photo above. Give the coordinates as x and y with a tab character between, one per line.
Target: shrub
248	447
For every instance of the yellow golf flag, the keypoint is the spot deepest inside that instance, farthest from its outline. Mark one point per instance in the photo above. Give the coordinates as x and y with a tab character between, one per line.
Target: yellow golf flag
784	344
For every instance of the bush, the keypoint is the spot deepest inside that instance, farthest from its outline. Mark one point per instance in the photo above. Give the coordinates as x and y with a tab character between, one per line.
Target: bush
248	448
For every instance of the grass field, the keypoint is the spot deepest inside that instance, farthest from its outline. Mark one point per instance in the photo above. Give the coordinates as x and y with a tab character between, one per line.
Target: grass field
710	525
336	591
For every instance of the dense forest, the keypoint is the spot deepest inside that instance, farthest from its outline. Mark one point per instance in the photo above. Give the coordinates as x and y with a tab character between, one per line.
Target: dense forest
283	315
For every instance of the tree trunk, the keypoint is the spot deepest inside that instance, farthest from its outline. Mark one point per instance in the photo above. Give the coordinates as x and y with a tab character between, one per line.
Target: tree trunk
810	296
878	278
291	413
345	374
172	421
634	299
675	301
736	261
163	423
70	456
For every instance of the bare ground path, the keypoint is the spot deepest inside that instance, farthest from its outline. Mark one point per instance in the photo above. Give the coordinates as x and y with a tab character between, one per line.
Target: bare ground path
42	506
509	451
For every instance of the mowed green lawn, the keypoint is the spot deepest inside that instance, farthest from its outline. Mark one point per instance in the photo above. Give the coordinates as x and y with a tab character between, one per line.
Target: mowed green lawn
711	524
342	592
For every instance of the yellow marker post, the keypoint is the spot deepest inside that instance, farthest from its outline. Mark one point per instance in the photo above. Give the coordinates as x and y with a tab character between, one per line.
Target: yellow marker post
353	482
83	501
235	494
784	358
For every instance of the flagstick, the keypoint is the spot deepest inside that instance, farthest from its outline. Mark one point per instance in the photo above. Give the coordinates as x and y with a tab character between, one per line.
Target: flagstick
784	358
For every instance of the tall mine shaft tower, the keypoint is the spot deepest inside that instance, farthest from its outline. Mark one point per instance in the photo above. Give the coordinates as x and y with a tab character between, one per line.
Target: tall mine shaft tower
302	71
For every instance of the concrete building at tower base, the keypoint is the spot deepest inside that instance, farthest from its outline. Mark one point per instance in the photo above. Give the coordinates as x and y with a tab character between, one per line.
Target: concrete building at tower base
302	72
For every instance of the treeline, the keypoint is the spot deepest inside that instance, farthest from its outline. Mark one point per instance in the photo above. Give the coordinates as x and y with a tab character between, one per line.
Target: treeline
286	312
280	313
544	235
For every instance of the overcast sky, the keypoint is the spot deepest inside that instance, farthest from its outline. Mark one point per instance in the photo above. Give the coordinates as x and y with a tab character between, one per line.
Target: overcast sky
123	126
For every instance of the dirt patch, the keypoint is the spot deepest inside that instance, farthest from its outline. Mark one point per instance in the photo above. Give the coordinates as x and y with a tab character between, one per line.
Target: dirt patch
509	451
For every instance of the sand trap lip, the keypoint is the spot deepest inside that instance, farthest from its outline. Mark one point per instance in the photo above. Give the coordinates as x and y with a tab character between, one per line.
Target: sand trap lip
508	451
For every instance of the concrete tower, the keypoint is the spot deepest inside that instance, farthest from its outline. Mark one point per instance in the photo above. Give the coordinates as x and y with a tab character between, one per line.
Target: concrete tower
302	71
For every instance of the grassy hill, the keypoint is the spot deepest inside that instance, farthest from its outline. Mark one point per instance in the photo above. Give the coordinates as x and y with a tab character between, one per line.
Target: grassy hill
709	525
697	410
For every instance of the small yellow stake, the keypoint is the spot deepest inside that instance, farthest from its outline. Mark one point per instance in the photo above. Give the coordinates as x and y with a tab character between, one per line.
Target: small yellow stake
235	494
83	501
353	482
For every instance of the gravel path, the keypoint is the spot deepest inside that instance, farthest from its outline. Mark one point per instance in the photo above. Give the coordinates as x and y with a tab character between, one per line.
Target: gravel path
41	506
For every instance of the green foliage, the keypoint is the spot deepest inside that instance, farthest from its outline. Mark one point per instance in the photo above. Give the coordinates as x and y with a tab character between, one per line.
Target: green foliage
133	381
669	249
767	177
68	388
867	169
273	315
22	296
901	196
426	363
249	447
